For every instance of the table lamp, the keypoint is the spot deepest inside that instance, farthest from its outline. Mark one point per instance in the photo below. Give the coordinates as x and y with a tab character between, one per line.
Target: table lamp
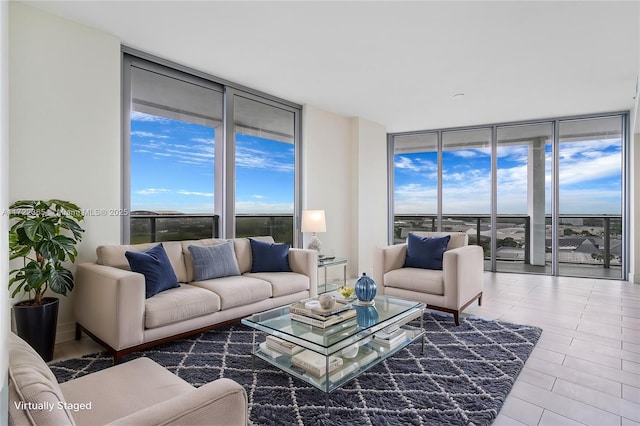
313	221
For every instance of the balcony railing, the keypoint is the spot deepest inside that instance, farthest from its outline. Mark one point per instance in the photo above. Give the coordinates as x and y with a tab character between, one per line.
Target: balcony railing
149	228
146	228
585	241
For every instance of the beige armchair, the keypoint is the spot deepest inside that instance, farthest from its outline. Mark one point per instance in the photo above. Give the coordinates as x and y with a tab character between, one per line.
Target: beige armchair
139	392
451	289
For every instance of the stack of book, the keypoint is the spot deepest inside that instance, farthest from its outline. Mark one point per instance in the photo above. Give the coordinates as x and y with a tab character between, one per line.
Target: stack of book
387	340
319	317
315	363
274	347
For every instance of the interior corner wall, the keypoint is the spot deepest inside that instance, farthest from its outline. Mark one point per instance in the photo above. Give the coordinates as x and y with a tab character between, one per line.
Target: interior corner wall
326	152
634	209
4	204
64	126
369	183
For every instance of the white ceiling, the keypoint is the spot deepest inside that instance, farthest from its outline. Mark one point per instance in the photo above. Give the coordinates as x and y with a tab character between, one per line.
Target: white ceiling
396	63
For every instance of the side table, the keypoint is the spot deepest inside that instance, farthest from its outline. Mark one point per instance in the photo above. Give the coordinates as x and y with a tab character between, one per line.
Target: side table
324	263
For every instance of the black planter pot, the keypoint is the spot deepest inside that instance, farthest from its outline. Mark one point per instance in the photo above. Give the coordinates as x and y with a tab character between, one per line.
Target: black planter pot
37	325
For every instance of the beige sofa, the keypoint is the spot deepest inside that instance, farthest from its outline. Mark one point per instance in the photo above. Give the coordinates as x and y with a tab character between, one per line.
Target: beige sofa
138	392
110	304
451	289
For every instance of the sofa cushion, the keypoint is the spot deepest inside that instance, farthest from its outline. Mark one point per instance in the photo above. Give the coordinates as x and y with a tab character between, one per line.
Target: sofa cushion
283	283
458	239
179	304
156	268
33	389
214	261
269	257
425	252
416	279
113	255
237	291
186	254
242	248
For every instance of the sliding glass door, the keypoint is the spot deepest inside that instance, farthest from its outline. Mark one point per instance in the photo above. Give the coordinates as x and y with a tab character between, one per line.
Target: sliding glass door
590	197
523	198
545	197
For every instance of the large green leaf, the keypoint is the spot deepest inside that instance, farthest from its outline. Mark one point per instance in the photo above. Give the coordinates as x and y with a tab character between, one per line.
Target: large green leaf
72	225
35	276
60	280
39	228
57	248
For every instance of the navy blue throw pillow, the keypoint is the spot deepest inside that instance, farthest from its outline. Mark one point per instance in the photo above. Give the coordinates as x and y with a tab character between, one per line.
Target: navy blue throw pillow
155	266
425	252
269	257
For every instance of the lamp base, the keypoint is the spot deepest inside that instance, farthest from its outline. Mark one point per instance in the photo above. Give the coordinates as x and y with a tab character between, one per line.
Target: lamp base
315	243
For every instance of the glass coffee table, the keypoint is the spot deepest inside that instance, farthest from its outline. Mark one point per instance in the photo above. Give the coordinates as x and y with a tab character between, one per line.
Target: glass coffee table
348	348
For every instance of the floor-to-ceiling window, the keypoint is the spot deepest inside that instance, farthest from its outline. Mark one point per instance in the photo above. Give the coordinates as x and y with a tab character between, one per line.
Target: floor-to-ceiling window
264	139
523	198
204	159
415	173
542	197
466	184
590	196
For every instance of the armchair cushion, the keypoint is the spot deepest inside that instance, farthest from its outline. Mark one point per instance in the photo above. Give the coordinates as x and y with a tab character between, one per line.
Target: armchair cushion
156	268
34	394
425	252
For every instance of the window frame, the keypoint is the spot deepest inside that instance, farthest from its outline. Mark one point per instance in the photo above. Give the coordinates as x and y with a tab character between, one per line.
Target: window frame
224	163
555	213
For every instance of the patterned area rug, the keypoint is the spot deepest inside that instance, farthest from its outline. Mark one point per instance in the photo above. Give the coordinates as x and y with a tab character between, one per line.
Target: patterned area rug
462	378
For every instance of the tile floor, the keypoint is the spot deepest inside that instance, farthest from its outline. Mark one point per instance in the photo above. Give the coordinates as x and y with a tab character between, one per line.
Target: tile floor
585	369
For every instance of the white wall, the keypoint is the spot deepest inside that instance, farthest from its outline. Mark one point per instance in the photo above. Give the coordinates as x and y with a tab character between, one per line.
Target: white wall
4	203
345	162
369	186
326	151
65	123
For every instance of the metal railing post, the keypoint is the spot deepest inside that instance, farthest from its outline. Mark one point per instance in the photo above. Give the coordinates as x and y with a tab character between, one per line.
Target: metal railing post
527	240
607	242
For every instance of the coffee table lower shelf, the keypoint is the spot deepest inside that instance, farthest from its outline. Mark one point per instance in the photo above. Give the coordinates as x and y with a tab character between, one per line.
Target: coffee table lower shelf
368	356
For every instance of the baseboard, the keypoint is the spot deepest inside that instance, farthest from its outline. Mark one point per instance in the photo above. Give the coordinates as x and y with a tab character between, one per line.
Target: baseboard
65	332
634	278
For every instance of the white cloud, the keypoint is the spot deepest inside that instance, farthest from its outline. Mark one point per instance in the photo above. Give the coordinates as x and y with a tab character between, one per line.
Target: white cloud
139	116
148	135
465	153
152	191
259	197
196	193
258	159
417	165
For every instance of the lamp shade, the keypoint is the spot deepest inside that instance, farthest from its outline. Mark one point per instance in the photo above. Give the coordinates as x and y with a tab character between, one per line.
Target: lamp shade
313	221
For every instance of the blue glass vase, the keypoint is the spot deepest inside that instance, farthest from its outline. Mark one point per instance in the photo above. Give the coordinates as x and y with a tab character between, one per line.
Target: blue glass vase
365	289
366	316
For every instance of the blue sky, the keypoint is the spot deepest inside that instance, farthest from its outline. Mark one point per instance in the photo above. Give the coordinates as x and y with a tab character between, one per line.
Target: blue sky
590	180
172	168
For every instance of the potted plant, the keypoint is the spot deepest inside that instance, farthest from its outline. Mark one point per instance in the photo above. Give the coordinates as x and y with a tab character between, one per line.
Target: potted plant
43	234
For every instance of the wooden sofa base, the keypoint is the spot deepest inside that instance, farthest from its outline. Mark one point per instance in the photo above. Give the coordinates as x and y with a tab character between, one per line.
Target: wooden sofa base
118	354
456	312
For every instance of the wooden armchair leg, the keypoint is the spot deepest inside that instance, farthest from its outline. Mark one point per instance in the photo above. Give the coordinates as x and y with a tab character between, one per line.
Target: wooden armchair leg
456	317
